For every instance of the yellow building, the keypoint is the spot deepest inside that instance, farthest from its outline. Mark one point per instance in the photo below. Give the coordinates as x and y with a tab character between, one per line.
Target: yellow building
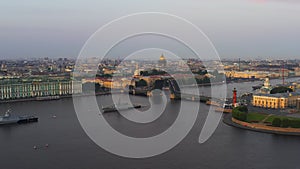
269	101
251	74
293	97
276	101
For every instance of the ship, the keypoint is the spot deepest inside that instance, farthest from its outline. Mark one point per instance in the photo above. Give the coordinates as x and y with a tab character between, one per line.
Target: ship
46	98
13	119
119	107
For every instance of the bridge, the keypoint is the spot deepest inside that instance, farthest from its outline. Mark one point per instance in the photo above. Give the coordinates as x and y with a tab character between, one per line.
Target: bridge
175	92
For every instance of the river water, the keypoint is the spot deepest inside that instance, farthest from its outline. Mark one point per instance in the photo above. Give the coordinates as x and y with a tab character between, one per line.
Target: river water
71	148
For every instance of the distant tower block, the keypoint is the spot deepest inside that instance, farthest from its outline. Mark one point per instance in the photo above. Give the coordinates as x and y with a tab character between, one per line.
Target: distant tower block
234	99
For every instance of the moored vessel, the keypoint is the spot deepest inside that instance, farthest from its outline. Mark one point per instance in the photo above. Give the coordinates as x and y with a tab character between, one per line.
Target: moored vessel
45	98
13	119
119	107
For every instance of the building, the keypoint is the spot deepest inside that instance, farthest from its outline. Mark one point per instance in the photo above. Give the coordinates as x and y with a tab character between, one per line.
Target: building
251	74
162	62
276	101
292	99
15	89
266	88
298	105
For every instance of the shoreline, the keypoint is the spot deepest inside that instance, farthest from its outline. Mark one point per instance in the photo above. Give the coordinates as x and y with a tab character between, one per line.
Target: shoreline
227	119
60	97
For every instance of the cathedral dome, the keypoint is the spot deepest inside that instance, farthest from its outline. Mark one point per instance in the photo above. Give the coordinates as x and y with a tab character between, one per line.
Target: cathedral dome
162	61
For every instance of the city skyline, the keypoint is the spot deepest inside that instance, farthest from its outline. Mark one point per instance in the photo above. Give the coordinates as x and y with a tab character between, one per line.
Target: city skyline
244	28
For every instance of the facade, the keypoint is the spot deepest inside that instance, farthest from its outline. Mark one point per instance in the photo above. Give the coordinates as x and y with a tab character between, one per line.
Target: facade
292	99
18	90
269	101
276	101
298	105
251	74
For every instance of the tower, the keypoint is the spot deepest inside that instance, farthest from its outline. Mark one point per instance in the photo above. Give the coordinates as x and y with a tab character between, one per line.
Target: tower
267	83
137	70
234	99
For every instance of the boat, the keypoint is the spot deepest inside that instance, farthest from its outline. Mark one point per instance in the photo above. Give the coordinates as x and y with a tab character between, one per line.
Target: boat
119	107
12	119
213	103
45	98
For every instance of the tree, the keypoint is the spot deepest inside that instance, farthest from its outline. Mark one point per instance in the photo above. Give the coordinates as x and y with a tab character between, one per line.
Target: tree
243	116
239	115
243	109
276	122
141	83
285	122
295	123
144	73
281	89
154	72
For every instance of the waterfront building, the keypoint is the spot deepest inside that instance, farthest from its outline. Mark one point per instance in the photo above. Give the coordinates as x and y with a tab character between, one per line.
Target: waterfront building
276	101
16	89
251	74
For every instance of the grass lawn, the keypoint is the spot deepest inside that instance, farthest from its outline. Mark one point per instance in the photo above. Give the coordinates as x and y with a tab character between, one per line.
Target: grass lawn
271	118
256	117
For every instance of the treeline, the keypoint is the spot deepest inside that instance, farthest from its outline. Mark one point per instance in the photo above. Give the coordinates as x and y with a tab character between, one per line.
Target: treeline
152	72
281	89
240	113
286	122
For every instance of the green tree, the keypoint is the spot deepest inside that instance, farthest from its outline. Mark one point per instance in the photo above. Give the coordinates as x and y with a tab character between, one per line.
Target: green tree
144	73
239	115
243	116
141	83
276	122
281	89
243	109
285	122
295	123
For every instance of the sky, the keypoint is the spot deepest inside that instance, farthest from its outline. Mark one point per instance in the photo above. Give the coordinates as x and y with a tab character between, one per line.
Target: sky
237	28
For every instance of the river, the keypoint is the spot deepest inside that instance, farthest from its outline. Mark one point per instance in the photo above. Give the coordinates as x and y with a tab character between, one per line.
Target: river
71	148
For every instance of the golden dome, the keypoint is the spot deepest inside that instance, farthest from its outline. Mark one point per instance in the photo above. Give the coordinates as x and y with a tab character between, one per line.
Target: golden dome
162	57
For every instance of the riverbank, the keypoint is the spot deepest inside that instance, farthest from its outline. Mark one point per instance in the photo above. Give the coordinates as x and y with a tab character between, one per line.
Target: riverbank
227	119
60	97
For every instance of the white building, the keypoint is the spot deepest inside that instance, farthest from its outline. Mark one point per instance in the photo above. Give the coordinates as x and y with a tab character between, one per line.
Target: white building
18	89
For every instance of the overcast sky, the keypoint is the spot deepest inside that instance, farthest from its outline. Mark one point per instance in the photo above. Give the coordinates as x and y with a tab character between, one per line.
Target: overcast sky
237	28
